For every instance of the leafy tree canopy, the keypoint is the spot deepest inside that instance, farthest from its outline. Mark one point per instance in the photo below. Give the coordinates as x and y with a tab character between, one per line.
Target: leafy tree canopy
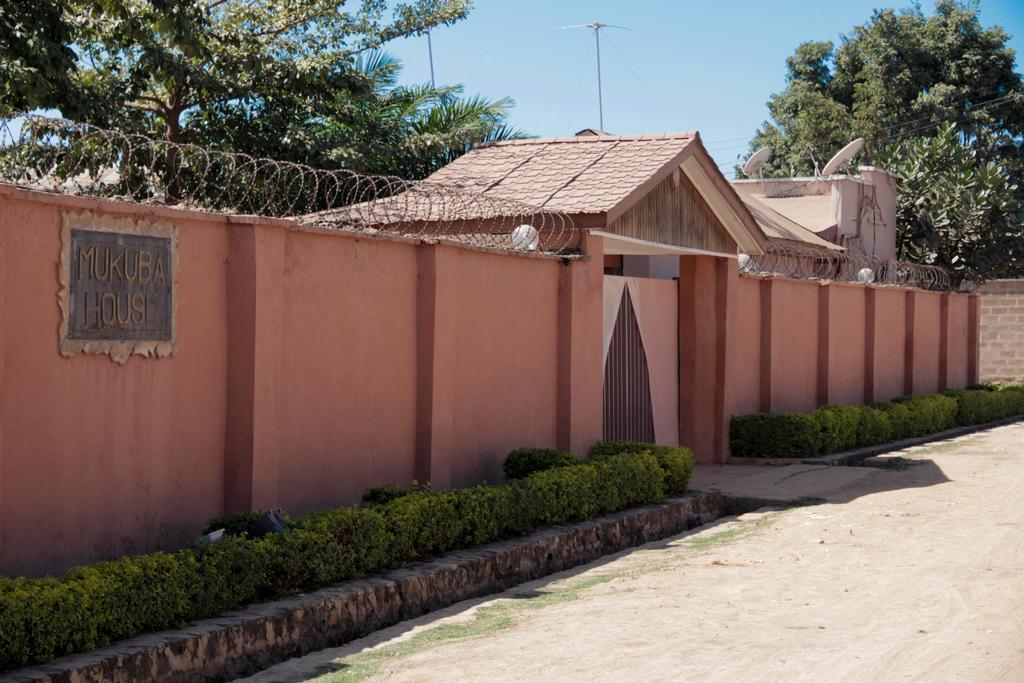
956	209
301	80
407	131
899	75
157	59
36	56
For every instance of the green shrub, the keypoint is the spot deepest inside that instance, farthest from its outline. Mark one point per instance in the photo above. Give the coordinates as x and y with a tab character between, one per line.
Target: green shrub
94	605
421	524
559	496
523	462
899	418
382	493
930	414
676	462
875	427
774	435
234	524
979	407
361	535
838	428
486	513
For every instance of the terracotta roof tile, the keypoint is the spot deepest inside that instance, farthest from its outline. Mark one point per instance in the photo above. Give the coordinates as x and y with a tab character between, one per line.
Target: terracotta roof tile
585	174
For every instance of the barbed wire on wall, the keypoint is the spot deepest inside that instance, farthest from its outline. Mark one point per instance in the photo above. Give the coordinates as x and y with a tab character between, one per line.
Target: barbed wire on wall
57	155
806	263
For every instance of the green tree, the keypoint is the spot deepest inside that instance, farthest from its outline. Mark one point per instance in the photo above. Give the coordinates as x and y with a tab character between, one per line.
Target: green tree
955	208
384	127
411	131
298	80
154	60
36	60
901	74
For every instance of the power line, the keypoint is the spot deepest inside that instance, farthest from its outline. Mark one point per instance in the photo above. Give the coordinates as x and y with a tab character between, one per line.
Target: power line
579	89
996	102
715	142
719	145
639	80
994	89
580	57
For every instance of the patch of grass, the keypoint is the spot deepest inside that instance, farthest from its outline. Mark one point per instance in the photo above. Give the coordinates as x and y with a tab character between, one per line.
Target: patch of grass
704	542
945	446
488	619
506	612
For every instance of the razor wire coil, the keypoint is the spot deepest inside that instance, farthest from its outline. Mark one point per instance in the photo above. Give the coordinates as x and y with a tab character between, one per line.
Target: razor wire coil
806	263
58	155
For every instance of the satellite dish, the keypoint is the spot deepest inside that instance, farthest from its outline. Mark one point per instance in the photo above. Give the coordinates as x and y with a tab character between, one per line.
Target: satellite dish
842	157
757	160
525	238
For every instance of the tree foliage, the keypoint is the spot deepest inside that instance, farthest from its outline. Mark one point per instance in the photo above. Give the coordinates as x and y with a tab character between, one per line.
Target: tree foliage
157	59
899	75
939	102
955	208
36	56
387	128
301	80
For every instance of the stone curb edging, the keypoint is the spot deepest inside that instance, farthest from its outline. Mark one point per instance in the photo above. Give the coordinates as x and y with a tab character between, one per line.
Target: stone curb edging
243	642
858	455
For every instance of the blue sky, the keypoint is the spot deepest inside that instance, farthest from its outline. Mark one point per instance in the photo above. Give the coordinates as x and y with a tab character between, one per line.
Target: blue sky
687	65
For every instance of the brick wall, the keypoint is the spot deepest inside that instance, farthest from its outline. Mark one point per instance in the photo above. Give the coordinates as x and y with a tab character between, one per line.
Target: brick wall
1002	330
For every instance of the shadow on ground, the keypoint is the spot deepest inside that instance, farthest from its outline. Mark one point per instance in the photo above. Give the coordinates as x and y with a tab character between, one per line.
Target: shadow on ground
762	488
833	484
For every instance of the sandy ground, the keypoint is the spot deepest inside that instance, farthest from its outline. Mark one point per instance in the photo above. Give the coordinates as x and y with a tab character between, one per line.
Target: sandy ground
909	574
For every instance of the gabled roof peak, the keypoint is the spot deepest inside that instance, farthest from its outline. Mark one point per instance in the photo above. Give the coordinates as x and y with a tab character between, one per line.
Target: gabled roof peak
591	139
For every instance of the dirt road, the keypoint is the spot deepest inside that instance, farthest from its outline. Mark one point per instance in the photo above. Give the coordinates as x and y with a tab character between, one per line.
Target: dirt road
908	574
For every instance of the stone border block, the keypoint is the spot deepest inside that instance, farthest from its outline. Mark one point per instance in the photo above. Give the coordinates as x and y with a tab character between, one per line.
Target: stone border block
243	642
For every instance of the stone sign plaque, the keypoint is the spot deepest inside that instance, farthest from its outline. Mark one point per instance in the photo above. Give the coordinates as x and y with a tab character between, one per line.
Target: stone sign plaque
117	286
120	286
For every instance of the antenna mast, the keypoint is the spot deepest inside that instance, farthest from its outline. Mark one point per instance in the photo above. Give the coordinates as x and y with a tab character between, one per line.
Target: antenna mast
600	97
596	26
430	53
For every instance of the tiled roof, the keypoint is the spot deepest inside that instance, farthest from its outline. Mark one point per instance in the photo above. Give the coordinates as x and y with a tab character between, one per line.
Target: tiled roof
586	174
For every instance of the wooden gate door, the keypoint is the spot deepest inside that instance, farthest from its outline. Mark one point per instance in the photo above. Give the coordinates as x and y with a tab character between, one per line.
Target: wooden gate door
628	414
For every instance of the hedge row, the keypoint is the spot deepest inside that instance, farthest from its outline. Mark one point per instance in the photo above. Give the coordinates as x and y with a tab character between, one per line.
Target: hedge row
522	462
676	462
94	605
833	429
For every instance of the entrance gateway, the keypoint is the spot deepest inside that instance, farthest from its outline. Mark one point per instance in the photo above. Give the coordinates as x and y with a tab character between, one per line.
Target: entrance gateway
641	360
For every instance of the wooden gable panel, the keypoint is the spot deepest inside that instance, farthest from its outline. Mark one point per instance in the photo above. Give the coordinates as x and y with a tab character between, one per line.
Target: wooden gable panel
674	213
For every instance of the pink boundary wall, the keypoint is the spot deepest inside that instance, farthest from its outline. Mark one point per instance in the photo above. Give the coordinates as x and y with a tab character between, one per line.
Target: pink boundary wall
310	365
773	344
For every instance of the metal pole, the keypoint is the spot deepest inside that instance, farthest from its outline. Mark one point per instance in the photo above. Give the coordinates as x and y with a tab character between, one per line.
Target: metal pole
600	98
430	51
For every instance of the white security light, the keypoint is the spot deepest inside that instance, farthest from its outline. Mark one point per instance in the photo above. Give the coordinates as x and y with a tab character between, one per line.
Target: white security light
525	238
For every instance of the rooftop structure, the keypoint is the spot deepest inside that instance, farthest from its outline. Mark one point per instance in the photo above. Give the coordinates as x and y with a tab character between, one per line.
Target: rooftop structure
855	212
624	185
